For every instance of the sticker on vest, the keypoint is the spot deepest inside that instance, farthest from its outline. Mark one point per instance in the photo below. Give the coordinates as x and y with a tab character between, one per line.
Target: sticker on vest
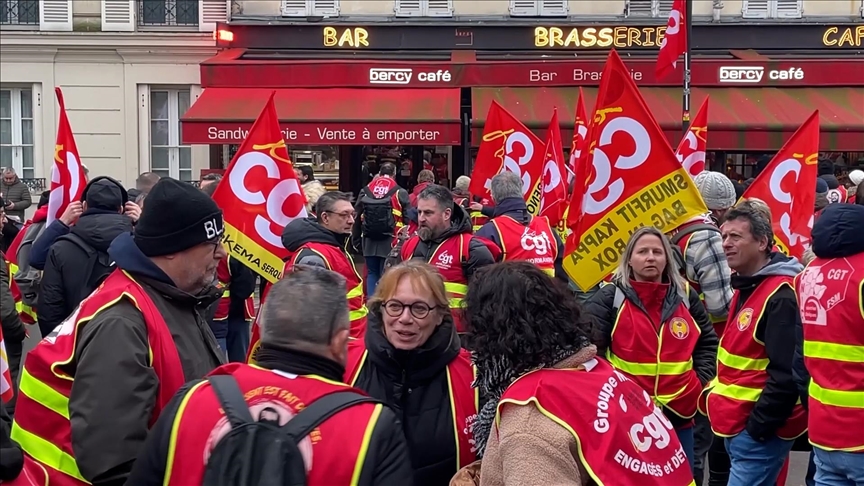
65	328
679	328
744	318
270	403
813	287
444	260
468	431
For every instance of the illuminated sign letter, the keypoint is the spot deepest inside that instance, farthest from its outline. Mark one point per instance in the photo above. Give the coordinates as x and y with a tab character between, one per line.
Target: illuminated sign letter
350	37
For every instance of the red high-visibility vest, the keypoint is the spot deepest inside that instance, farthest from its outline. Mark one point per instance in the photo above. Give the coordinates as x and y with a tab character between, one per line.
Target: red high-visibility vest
223	274
660	362
464	400
624	439
741	367
41	423
334	452
477	217
832	313
534	243
447	259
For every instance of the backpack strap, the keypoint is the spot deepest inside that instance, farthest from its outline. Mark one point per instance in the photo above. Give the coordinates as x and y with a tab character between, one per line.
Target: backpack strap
231	399
692	229
320	410
618	300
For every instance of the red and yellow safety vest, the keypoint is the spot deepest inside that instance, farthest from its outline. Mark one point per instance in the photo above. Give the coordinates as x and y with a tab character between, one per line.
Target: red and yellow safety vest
623	439
742	364
464	400
341	262
447	259
25	312
661	362
338	446
41	423
534	243
832	313
223	274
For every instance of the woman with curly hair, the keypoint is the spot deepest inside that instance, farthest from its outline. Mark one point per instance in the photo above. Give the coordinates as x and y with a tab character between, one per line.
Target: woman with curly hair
556	414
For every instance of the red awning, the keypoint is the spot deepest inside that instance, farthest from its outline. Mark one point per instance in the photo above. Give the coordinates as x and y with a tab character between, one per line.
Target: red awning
329	116
738	118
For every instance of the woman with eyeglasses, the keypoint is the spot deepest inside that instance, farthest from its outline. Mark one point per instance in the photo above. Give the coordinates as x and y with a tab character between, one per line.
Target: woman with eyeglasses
411	358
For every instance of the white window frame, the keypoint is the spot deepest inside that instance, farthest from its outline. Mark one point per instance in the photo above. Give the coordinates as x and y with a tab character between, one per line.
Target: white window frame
773	10
174	146
657	8
17	131
540	8
422	8
310	8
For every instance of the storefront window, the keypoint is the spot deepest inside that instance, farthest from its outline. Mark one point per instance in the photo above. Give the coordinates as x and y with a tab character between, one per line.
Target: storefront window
324	160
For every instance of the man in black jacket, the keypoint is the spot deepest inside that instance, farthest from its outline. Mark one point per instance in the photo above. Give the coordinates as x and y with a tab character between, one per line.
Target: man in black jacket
77	261
13	329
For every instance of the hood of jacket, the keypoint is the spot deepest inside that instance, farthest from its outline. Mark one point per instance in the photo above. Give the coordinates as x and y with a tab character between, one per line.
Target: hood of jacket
99	227
308	230
837	233
127	256
779	265
418	365
513	207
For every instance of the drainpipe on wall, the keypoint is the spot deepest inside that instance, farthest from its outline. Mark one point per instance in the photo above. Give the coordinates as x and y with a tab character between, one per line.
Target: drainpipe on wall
718	7
862	8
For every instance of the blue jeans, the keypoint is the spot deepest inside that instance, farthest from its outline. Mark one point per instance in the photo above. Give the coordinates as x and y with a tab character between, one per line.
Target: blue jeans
839	468
237	340
756	463
374	270
685	436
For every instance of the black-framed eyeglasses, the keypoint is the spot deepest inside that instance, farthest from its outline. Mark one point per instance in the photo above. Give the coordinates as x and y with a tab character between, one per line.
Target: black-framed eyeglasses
344	214
394	308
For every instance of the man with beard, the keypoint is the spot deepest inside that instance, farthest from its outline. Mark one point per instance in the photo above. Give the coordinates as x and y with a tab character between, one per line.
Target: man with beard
444	241
321	242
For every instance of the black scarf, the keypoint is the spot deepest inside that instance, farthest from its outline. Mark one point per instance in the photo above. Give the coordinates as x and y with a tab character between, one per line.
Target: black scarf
299	363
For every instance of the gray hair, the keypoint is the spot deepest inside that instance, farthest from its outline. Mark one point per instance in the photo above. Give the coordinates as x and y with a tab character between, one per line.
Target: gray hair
506	184
754	212
304	309
462	183
9	170
442	197
672	273
327	201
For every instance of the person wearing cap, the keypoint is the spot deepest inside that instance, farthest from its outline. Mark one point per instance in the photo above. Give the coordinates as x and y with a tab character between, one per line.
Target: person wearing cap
821	200
856	178
70	274
89	394
836	192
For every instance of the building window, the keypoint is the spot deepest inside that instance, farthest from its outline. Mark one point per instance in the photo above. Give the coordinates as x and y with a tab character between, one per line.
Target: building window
424	8
180	13
539	8
16	131
649	8
310	8
167	156
773	9
19	12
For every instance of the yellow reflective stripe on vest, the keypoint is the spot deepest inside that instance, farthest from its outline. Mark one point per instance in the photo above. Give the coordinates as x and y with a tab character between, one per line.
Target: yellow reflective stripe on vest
549	271
740	362
172	442
43	394
47	453
358	314
226	294
737	392
364	446
837	398
650	369
355	292
836	352
458	289
453	417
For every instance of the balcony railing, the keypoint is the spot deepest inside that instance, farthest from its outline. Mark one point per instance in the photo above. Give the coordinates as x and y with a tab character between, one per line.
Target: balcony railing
177	13
19	12
35	185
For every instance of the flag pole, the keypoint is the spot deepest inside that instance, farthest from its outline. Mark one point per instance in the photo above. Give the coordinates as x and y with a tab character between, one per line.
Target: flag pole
688	25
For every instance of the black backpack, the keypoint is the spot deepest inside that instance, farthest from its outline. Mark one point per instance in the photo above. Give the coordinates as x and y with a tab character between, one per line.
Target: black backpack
99	265
28	278
378	220
676	250
264	453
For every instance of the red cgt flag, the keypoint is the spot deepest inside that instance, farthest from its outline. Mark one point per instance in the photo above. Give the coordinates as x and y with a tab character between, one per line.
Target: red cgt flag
6	390
259	195
508	145
691	151
674	40
788	187
554	197
67	175
580	135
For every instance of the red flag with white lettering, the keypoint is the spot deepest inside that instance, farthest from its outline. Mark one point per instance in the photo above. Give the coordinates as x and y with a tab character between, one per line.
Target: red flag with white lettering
259	195
508	145
6	391
691	151
554	197
636	180
788	186
580	134
674	40
67	175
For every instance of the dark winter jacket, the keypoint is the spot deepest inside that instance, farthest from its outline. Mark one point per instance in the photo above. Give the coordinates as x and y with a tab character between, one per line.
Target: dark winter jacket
460	223
414	383
42	245
242	286
13	329
67	273
11	455
18	194
837	234
302	231
110	423
777	329
515	208
387	461
600	307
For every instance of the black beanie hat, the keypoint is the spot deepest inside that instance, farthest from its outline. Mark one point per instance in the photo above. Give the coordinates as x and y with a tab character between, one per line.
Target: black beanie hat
177	217
832	181
104	193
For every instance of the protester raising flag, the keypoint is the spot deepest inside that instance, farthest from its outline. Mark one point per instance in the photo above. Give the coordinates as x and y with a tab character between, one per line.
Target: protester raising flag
553	200
6	391
67	175
674	40
508	145
693	147
637	180
259	195
788	186
580	134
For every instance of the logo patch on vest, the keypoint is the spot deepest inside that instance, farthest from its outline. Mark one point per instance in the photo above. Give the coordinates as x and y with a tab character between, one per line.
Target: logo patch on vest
813	292
679	328
444	260
537	242
744	318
